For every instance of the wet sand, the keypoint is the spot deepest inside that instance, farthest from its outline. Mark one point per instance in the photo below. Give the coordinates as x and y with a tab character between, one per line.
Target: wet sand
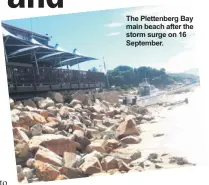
182	129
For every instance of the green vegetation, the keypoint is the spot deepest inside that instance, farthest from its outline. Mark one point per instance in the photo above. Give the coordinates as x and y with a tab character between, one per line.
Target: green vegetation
126	77
93	69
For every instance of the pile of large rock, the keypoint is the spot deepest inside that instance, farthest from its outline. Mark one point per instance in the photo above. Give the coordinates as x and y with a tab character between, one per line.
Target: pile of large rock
55	140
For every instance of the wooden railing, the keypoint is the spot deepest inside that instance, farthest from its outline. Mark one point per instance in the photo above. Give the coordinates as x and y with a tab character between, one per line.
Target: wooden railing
26	78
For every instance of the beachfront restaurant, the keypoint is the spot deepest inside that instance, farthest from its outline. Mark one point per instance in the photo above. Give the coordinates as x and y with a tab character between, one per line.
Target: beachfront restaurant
33	65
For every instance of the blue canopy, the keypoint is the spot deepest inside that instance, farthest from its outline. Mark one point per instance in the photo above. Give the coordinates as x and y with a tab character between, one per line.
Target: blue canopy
19	50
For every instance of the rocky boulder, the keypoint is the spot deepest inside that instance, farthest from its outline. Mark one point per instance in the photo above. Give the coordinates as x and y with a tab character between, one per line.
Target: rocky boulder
74	102
45	172
82	97
20	135
29	103
122	166
111	96
21	149
72	173
98	145
43	103
109	163
36	130
131	152
64	111
29	173
56	143
91	166
69	159
12	103
56	96
53	110
18	105
20	173
48	156
31	118
131	140
127	128
48	130
61	177
83	142
30	162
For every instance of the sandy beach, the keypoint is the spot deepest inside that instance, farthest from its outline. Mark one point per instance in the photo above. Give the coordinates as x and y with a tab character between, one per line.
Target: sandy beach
182	130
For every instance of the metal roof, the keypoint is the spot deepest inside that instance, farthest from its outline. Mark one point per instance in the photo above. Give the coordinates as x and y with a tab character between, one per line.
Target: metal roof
24	30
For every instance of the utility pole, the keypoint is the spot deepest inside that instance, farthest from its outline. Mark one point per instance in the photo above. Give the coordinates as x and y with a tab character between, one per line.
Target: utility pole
79	75
146	78
108	84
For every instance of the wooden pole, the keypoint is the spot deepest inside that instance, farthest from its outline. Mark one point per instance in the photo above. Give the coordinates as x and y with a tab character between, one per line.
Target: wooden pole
78	75
78	67
60	70
36	63
108	84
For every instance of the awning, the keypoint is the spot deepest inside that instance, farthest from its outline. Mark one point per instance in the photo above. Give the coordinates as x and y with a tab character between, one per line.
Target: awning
34	41
74	61
20	50
7	35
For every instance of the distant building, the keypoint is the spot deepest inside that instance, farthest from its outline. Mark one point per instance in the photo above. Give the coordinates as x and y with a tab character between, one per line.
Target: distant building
27	35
